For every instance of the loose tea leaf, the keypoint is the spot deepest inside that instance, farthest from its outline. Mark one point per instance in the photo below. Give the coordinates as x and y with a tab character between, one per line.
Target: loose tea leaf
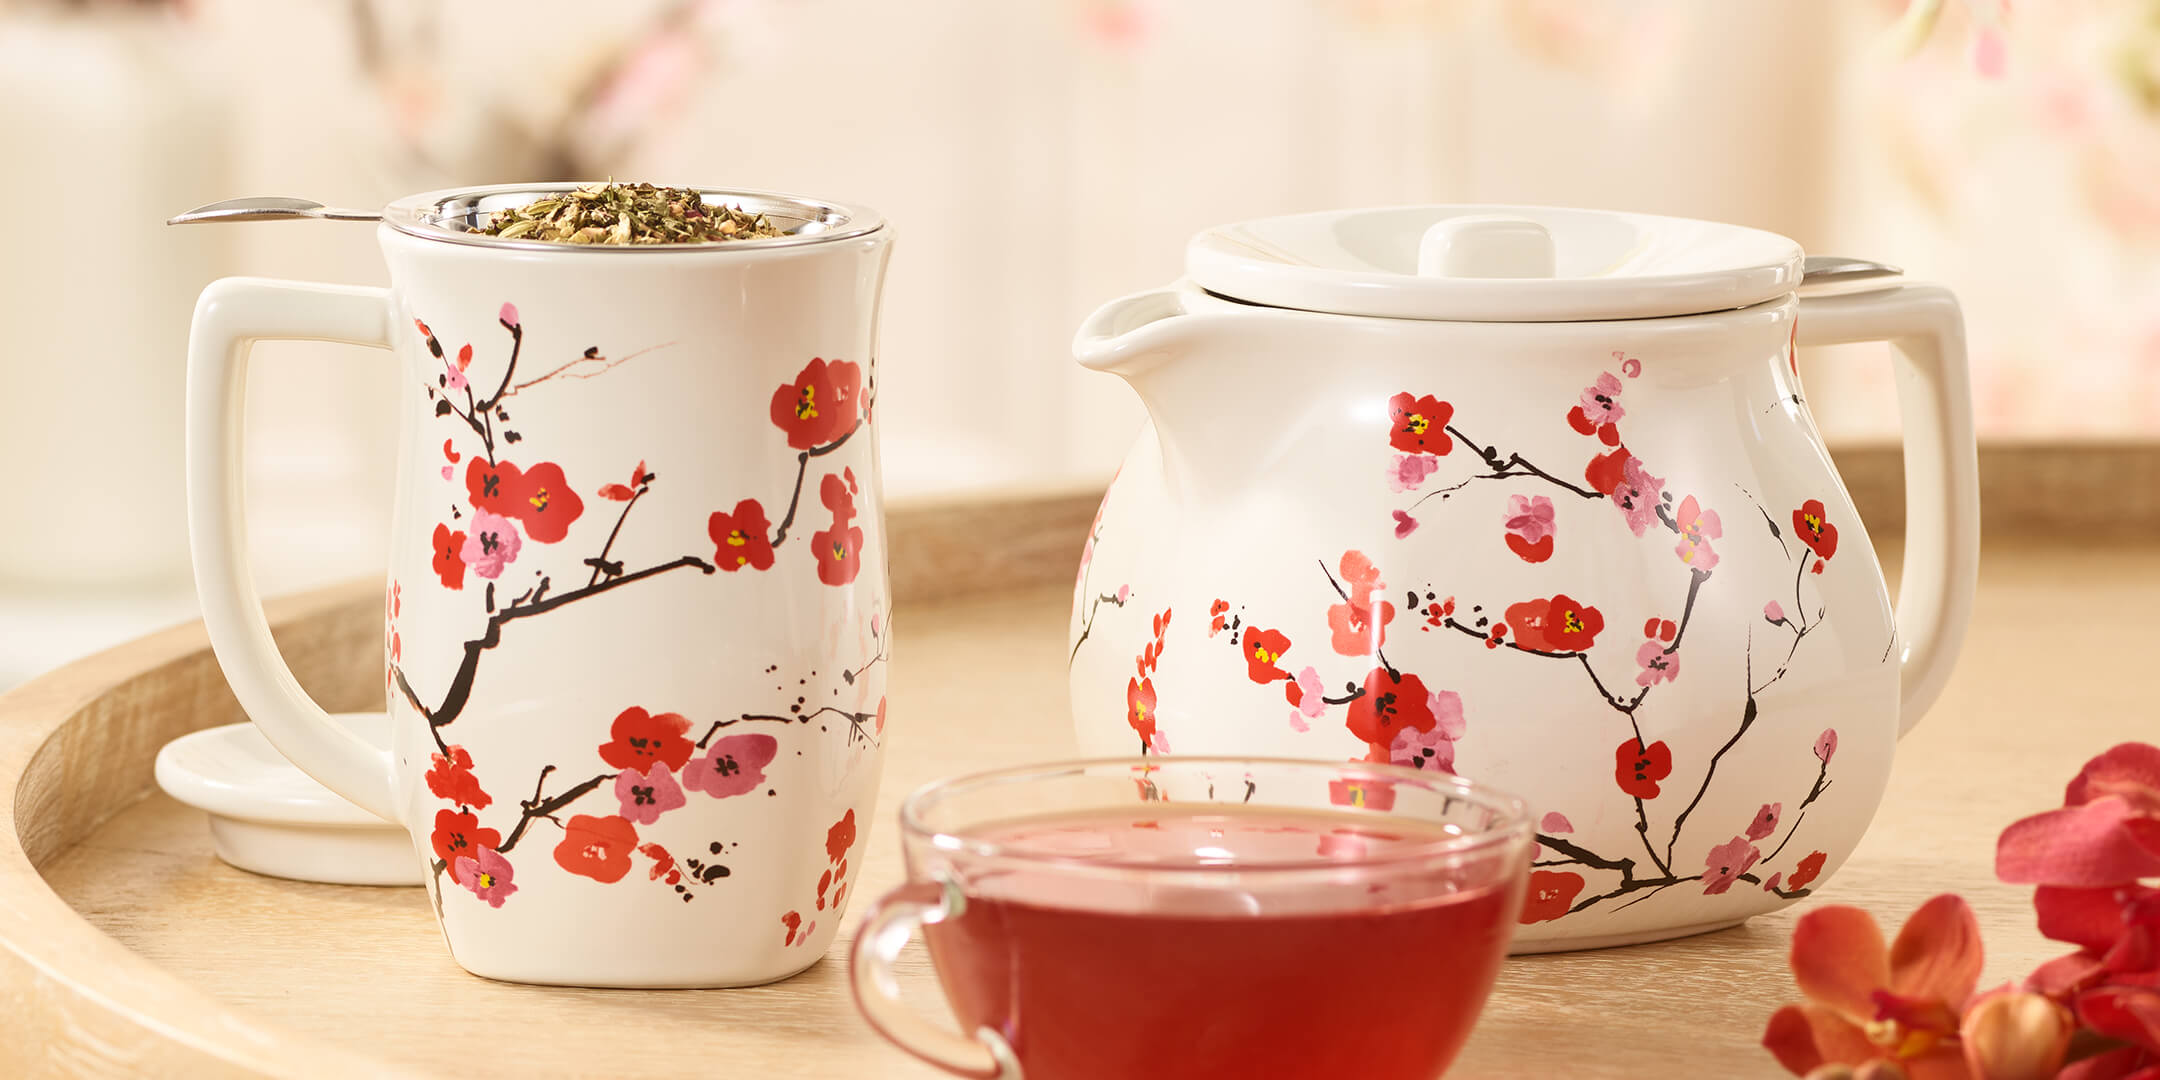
627	214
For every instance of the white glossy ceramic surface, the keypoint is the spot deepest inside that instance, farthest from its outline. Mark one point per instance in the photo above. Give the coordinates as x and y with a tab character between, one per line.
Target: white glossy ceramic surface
1494	263
635	623
1313	545
268	817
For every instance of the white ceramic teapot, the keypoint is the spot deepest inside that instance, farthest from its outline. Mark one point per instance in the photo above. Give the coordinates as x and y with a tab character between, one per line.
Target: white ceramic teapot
1530	494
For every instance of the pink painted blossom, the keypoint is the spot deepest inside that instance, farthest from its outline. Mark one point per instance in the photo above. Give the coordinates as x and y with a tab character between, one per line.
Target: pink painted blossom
1159	742
1556	823
491	543
1991	57
1423	749
1657	664
1726	862
1601	400
448	471
1446	707
1124	593
1530	517
1637	495
647	795
734	766
1773	882
508	315
1404	525
486	873
1408	471
1308	698
1698	525
456	375
1826	744
1630	366
1773	612
1766	820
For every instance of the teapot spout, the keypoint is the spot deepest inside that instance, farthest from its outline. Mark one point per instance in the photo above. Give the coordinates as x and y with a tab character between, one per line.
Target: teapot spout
1172	346
1132	334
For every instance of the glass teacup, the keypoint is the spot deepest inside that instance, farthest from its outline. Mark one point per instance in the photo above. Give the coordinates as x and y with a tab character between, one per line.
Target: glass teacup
1194	917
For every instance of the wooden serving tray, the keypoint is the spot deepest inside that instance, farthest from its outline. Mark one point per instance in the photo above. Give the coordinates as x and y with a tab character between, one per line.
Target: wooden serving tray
127	949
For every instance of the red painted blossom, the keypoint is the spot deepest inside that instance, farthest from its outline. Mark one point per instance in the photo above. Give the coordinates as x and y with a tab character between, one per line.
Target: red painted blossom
1263	651
1550	895
1418	425
626	492
449	565
539	499
821	405
839	548
793	921
740	539
1365	794
1815	530
1218	617
1606	472
597	847
459	835
452	778
1557	625
1392	701
1808	870
639	738
1140	708
1638	768
840	838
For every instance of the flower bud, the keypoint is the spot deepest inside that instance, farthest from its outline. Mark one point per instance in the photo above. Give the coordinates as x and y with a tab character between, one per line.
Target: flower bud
2015	1035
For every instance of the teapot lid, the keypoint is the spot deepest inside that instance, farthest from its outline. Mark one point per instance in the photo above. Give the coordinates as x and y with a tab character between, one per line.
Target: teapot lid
1493	263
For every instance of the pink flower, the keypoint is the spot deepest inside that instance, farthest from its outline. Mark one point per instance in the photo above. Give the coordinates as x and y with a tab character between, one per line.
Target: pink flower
1423	749
1408	471
1771	884
1766	820
1308	696
1556	823
491	543
1637	495
1826	744
1657	664
1530	517
486	873
1773	612
1404	525
734	766
1446	707
508	315
456	376
1726	862
1159	742
647	795
1124	593
1601	400
1698	526
1629	365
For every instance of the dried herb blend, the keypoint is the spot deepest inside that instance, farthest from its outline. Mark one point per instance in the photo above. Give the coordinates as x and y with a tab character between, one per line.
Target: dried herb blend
627	214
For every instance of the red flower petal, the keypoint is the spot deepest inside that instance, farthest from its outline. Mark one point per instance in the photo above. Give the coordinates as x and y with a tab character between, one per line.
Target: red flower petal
2131	771
617	492
2099	844
1937	952
1839	959
2129	1013
1550	895
1580	421
1531	553
2092	918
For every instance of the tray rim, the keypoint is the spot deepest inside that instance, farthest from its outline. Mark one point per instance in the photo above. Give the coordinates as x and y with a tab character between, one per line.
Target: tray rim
63	979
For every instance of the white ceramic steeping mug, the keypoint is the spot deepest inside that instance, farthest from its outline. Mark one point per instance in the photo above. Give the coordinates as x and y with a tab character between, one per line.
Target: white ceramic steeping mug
637	612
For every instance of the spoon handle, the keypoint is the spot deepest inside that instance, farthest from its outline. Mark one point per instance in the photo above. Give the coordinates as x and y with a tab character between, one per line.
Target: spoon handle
270	208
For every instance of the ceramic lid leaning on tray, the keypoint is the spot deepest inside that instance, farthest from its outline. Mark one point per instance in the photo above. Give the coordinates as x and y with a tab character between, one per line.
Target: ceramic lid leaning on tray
1494	263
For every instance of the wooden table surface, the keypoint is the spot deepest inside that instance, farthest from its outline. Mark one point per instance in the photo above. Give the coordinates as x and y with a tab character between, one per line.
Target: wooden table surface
2054	672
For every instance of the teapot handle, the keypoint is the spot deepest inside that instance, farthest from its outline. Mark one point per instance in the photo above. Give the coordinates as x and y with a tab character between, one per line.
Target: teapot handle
1942	470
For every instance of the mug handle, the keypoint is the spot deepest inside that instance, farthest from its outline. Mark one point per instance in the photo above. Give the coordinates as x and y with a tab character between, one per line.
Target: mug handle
884	932
1942	470
230	317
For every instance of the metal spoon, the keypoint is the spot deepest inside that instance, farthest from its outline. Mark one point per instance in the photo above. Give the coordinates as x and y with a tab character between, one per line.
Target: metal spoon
268	208
1835	270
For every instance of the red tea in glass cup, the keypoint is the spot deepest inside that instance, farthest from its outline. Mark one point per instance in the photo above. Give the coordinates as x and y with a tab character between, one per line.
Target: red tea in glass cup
1199	917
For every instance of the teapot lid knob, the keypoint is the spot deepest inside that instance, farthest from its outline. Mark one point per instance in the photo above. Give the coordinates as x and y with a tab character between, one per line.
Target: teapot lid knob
1486	246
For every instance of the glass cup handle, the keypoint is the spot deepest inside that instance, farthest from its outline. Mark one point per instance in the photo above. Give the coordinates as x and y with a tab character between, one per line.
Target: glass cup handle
885	930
